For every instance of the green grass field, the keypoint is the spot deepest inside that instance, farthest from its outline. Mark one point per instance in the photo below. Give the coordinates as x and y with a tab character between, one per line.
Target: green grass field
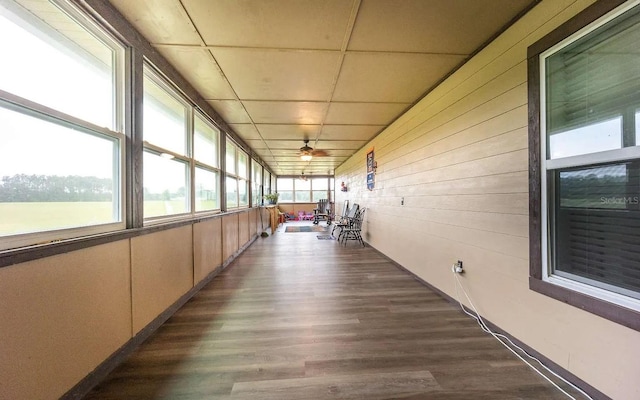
17	218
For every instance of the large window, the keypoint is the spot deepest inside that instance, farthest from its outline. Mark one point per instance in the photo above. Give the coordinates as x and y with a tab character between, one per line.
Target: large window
307	190
267	182
180	163
237	162
61	142
166	158
256	183
590	160
205	149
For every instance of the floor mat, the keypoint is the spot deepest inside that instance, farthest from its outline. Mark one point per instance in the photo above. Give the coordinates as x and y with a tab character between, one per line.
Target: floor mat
325	237
306	228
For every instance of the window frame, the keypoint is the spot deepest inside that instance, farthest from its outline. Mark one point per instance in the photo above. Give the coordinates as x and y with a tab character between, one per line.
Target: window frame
257	174
152	73
310	179
612	306
196	164
236	174
38	111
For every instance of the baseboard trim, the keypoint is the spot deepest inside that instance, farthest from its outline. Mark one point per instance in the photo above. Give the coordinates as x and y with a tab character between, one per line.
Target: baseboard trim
590	390
82	388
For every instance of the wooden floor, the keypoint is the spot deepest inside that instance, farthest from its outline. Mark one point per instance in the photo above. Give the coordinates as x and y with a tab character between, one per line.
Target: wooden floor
295	317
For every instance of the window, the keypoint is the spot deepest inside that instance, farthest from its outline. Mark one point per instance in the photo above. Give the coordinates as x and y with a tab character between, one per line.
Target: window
165	161
256	183
309	190
205	150
589	182
267	182
237	162
302	190
285	189
68	113
177	141
320	189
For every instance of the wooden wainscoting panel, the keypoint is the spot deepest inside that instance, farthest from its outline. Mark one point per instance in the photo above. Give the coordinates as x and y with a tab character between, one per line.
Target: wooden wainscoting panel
207	248
243	228
61	316
230	236
162	271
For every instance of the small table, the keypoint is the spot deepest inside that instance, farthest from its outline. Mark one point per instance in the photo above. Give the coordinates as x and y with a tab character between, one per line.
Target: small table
274	215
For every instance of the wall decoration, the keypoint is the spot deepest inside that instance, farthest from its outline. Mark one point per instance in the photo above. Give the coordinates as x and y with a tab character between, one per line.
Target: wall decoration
371	170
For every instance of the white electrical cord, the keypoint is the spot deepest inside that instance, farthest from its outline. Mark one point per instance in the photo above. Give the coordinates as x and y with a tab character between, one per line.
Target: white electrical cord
499	338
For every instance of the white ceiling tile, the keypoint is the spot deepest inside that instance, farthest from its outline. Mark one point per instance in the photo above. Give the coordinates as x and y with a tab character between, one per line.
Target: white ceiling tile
350	132
279	75
277	131
256	144
363	113
433	26
231	111
286	112
308	24
293	145
339	144
160	21
246	131
199	68
390	78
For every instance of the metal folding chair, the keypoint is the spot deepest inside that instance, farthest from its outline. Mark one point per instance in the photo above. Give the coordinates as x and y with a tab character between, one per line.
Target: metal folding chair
354	230
345	219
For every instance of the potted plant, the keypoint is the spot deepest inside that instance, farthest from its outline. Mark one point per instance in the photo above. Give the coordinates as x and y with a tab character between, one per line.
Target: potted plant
271	198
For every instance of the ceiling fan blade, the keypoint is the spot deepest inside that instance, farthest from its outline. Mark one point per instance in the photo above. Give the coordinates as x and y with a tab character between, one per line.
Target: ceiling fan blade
320	153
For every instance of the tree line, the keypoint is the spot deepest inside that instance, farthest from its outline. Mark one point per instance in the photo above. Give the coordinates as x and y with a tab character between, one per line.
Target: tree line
50	188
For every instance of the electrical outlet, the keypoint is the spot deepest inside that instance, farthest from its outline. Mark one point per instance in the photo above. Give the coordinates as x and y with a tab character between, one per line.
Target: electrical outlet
457	267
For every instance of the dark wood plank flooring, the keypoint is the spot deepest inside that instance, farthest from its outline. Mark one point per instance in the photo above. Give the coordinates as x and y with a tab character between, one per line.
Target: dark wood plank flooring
295	317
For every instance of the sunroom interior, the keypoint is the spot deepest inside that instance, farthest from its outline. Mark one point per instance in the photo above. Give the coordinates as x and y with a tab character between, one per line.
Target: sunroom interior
138	139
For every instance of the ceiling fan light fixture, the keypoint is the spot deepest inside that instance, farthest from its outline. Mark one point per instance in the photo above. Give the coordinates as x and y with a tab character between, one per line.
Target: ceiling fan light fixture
306	156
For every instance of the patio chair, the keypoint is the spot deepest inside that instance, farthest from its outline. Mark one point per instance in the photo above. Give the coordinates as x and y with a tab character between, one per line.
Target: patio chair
354	230
322	211
344	221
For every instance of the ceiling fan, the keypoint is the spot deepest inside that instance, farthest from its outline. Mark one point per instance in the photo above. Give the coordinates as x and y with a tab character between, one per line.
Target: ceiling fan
307	152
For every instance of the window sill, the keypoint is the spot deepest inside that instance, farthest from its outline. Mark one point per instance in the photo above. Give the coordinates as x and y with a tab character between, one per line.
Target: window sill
613	312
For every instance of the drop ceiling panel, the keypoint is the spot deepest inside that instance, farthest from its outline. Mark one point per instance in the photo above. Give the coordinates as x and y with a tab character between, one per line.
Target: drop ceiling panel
433	26
200	69
335	71
339	144
350	132
390	78
278	131
284	152
231	111
279	75
292	145
308	24
246	131
364	113
286	112
160	21
256	144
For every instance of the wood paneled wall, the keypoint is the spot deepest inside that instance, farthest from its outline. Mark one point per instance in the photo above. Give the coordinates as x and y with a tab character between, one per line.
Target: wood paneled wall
62	316
294	208
459	160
